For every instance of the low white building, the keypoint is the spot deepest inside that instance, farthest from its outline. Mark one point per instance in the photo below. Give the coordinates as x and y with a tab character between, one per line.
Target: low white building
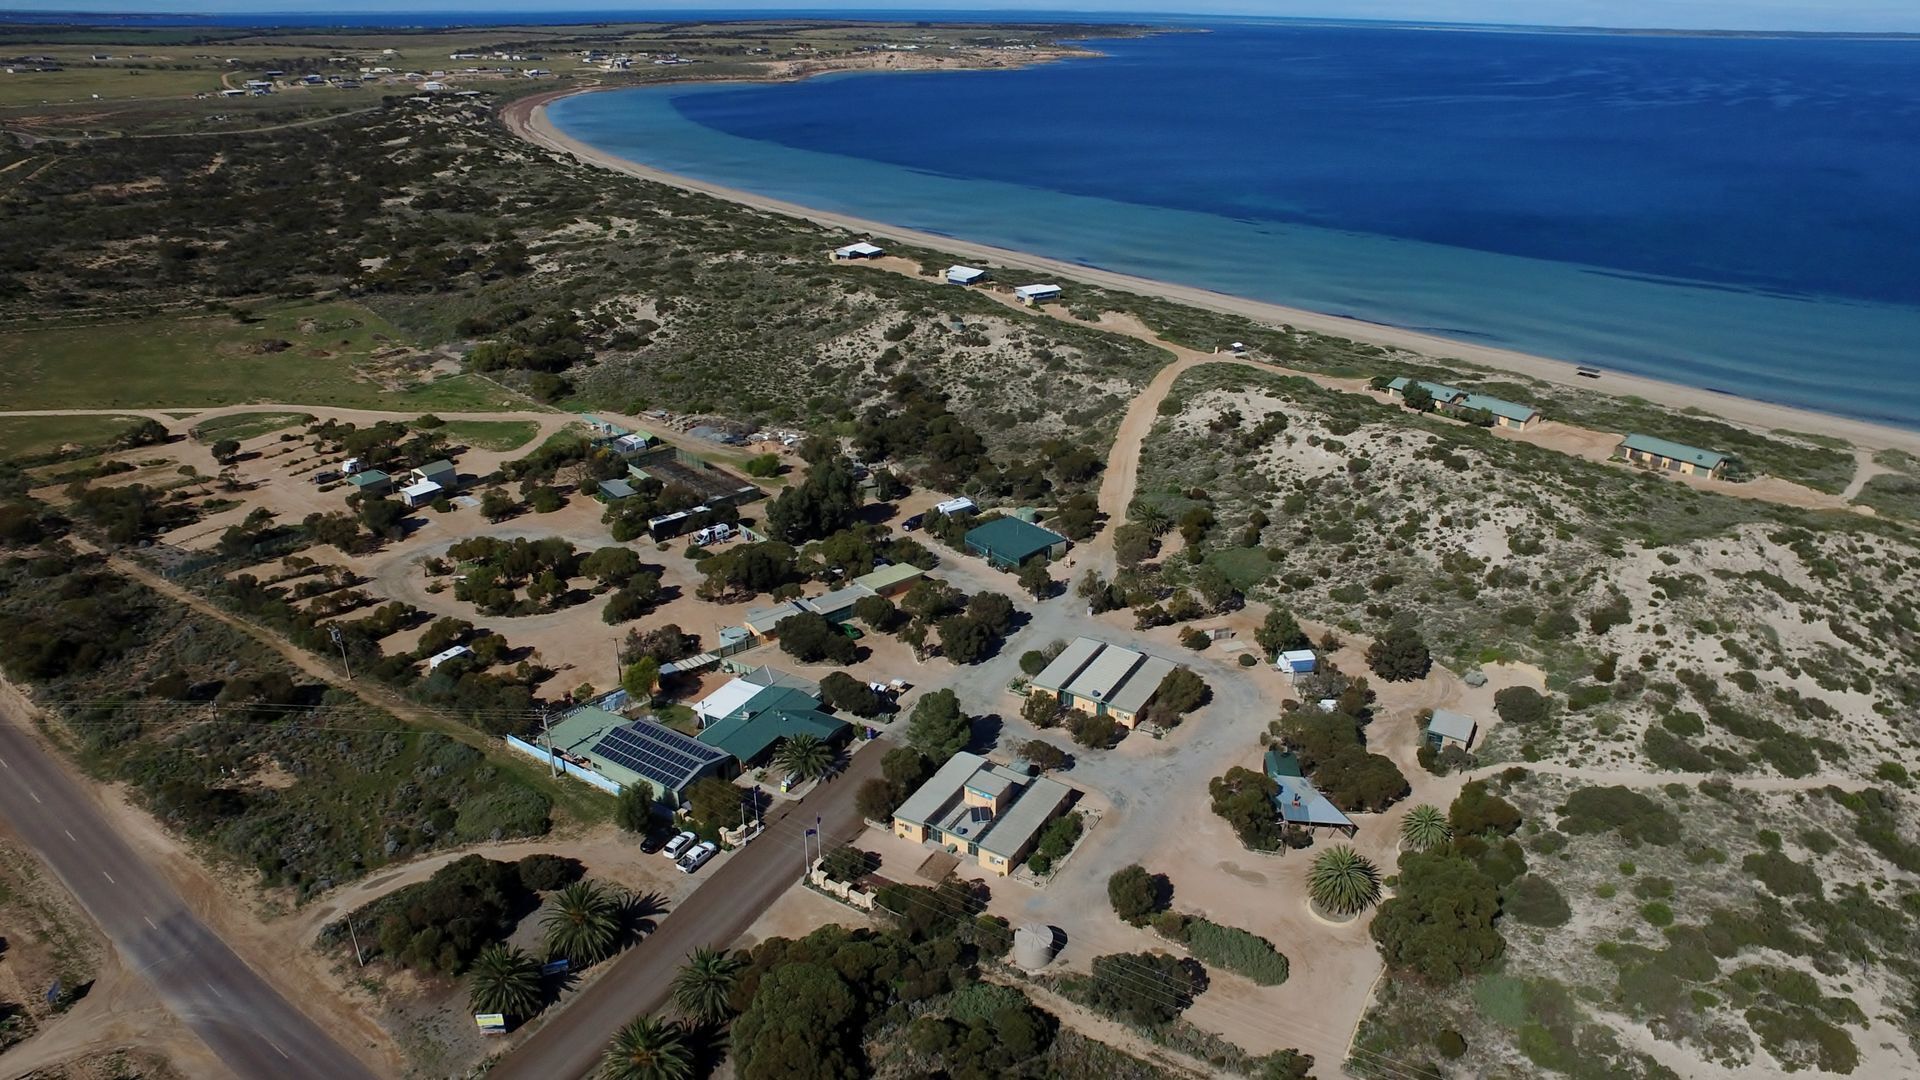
950	507
965	275
420	494
861	250
1036	294
445	655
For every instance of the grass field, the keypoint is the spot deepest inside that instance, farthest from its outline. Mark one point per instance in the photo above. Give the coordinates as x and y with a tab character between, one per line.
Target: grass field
319	354
25	436
244	426
492	434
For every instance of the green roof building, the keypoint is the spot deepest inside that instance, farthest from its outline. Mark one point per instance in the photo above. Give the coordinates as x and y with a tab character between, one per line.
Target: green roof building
775	713
371	482
1009	542
1669	456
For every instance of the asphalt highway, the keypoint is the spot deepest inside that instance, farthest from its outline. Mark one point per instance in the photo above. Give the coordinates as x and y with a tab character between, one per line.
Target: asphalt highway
570	1043
240	1017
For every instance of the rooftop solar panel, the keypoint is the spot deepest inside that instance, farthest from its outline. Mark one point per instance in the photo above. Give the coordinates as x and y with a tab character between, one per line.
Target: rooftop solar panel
657	753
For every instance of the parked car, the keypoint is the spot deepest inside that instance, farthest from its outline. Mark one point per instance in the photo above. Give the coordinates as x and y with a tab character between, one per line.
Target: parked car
695	859
326	476
913	522
653	842
679	844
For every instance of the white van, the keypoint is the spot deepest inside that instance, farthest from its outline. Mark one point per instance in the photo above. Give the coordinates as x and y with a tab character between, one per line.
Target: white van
678	844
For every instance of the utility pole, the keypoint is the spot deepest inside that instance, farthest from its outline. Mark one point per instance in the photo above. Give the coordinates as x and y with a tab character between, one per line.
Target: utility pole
357	954
334	633
546	734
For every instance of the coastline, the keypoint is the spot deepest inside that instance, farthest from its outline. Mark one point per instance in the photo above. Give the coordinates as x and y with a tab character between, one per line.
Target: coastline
527	118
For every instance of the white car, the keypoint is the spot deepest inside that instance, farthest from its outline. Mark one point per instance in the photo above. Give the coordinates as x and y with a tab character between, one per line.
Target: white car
695	859
678	844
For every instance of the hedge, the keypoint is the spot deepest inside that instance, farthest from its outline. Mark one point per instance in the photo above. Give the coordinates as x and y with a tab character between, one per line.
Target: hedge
1236	950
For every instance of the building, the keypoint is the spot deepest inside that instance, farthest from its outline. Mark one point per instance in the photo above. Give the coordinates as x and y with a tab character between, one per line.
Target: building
965	275
1455	402
1667	456
1449	728
1036	294
975	807
861	250
371	482
751	730
1297	662
1009	543
1298	801
611	490
445	655
436	472
421	493
761	622
958	505
890	580
739	691
1107	680
838	604
612	752
632	443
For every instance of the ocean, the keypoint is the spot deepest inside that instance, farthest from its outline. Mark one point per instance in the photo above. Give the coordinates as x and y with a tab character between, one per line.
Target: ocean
1740	214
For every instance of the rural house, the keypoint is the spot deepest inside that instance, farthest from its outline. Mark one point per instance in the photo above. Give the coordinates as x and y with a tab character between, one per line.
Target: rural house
1298	801
1103	679
975	807
1668	456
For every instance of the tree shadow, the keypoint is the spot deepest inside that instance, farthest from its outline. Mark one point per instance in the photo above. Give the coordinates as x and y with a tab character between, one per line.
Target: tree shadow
986	730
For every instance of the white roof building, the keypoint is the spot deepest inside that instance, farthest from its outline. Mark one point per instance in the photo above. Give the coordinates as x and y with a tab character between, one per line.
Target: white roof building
445	655
1033	294
964	275
423	492
726	700
950	507
861	250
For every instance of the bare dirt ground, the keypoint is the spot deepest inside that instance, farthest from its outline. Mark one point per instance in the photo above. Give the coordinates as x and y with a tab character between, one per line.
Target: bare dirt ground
799	912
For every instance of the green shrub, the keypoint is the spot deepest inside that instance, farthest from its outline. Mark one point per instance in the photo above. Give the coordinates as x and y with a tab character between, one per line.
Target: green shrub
1450	1043
1533	900
1236	950
1657	913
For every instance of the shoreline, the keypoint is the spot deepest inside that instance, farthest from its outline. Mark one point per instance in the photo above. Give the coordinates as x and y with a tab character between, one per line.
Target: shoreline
527	119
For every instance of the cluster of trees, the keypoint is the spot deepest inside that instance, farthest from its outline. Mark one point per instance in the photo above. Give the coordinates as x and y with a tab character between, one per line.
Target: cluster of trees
827	502
500	568
440	925
1332	751
810	638
128	513
743	571
1245	799
627	518
901	771
938	728
1055	841
1440	923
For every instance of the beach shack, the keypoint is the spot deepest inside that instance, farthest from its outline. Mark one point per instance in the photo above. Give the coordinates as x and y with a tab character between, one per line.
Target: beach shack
1668	456
371	482
965	275
420	493
1036	294
862	250
1449	728
1297	662
1298	801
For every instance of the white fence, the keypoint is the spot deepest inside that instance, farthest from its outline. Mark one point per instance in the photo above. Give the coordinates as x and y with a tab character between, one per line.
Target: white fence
576	771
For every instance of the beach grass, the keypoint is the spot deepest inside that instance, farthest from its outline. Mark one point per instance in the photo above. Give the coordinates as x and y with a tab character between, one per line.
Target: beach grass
492	434
335	353
243	426
32	436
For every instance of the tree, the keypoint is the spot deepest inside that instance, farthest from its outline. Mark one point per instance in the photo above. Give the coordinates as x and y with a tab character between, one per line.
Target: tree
1091	730
1343	882
1245	799
938	728
806	756
845	863
1417	397
1042	710
825	503
1035	580
966	640
877	612
704	984
640	678
504	980
1043	755
583	922
1476	810
1147	989
1399	655
383	517
796	1027
1181	692
810	638
1357	780
1425	828
848	694
634	810
1522	705
762	465
611	566
496	505
648	1049
1439	923
714	802
876	799
1137	895
225	450
1280	632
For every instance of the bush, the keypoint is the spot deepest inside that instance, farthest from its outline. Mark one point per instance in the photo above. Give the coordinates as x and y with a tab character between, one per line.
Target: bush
1145	989
1092	732
1236	950
938	728
1521	705
1043	755
1439	923
810	638
1533	900
1475	810
1245	799
545	873
1634	816
1055	841
1450	1043
1136	894
1399	655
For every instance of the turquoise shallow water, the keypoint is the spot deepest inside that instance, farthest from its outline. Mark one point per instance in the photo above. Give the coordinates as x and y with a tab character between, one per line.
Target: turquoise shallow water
1730	219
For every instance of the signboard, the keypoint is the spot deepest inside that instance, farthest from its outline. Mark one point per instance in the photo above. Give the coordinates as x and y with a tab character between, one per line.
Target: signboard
491	1023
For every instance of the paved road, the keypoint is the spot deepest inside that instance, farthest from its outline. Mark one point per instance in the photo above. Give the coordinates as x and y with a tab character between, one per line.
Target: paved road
569	1045
254	1030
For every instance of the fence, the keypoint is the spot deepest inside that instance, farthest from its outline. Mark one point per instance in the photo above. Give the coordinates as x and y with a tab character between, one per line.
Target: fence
578	772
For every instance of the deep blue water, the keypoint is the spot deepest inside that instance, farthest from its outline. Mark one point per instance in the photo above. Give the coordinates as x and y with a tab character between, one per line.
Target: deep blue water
1742	214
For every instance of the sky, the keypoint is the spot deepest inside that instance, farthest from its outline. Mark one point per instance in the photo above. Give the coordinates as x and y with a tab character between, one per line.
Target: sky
1798	15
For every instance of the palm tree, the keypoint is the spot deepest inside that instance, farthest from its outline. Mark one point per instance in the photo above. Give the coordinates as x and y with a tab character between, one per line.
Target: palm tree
1343	881
1425	828
648	1049
808	757
504	980
584	922
705	983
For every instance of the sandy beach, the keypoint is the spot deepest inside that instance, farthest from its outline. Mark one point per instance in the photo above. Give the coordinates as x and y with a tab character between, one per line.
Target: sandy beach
527	118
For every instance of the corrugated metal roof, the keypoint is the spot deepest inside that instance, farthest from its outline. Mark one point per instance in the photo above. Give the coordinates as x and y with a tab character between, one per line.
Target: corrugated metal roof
763	620
838	600
886	577
1039	800
1302	804
1012	539
1667	448
1057	675
1113	675
924	804
1451	724
1441	392
751	730
1132	695
1512	410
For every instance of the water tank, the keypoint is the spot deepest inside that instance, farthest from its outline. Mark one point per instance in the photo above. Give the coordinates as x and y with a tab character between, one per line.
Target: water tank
1033	946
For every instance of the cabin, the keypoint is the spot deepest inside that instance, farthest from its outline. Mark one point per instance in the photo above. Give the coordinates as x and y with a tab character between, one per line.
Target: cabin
965	275
862	250
1449	728
1036	294
1667	456
1009	543
1300	803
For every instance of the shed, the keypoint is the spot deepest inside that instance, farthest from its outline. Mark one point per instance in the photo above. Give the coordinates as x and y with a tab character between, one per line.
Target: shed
861	250
615	489
371	482
1035	294
1449	728
762	621
436	472
1009	542
838	604
1297	661
420	493
888	580
965	275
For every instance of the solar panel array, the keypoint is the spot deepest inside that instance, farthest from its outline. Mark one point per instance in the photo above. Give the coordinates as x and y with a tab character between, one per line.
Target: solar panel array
660	754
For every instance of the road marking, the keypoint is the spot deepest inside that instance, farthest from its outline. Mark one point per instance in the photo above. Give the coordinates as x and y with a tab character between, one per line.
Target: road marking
109	878
70	835
276	1047
3	762
218	994
36	797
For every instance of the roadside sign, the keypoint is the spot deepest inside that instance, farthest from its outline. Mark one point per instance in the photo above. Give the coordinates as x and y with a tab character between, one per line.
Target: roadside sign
491	1023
